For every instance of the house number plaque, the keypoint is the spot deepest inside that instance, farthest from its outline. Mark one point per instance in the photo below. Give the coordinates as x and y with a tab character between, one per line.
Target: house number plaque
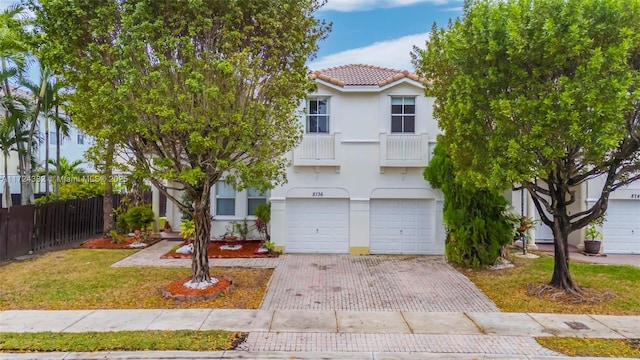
317	194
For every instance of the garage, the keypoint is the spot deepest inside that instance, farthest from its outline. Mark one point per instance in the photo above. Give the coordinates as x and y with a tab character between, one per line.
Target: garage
402	226
317	226
621	230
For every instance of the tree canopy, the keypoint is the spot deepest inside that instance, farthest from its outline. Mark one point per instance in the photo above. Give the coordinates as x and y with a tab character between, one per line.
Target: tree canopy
543	93
196	91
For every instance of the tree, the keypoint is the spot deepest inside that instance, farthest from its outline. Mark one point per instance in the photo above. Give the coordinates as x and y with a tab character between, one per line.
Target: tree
476	226
9	141
543	93
195	90
13	53
68	169
50	101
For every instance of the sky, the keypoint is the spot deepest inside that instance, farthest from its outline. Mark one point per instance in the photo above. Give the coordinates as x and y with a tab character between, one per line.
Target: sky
380	32
374	32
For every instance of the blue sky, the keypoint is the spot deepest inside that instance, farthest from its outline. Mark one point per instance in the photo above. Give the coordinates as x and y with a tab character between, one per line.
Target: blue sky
375	32
380	32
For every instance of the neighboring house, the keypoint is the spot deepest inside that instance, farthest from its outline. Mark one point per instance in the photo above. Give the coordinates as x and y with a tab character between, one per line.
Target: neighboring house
621	229
356	184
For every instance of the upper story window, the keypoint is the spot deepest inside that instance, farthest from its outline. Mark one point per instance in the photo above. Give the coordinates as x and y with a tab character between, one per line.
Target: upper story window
80	139
318	115
403	114
225	199
254	197
53	138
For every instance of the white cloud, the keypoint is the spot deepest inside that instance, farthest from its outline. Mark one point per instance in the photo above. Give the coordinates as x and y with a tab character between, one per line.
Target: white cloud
362	5
394	54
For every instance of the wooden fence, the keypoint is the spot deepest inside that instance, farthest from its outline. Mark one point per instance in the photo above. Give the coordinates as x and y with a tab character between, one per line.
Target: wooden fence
27	228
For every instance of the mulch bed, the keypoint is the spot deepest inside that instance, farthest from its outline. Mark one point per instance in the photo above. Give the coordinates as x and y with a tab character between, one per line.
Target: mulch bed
104	243
177	291
247	250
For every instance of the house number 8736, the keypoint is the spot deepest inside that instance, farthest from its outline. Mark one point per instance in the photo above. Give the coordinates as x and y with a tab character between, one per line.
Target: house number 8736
317	194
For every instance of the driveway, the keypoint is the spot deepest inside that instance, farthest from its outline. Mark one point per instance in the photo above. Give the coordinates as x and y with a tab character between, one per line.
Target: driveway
372	283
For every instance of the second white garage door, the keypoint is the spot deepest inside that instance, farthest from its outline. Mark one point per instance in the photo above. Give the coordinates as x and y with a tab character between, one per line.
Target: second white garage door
621	230
402	226
317	226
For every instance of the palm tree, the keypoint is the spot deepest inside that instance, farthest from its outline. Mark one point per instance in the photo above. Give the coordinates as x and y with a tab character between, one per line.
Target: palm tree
13	55
48	92
9	141
68	170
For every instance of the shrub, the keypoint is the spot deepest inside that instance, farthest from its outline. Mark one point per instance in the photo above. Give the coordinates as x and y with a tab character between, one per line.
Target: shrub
139	217
476	225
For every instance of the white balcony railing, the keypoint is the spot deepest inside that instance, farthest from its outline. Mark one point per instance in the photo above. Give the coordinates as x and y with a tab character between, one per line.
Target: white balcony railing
404	150
318	150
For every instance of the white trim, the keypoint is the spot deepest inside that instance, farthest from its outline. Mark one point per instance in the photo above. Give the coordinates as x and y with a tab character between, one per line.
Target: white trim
360	141
370	88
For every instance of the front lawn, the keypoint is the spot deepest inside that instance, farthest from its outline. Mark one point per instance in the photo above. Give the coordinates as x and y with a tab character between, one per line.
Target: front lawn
508	290
84	279
508	287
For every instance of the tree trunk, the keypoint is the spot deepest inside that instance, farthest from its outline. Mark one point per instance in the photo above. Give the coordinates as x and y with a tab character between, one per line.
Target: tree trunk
7	188
46	158
561	278
202	222
107	205
57	182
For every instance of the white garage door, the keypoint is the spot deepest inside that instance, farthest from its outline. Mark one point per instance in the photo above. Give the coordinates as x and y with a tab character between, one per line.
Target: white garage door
621	230
402	227
318	226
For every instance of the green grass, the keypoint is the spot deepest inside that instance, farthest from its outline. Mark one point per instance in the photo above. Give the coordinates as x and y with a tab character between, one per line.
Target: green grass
84	279
118	341
592	347
507	288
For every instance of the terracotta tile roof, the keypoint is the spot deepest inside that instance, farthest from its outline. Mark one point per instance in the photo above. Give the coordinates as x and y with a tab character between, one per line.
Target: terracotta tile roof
361	75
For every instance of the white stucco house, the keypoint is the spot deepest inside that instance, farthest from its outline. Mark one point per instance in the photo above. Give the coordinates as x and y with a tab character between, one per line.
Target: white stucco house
355	185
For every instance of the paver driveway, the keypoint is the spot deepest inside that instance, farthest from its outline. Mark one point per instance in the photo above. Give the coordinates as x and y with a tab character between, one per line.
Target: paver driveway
368	283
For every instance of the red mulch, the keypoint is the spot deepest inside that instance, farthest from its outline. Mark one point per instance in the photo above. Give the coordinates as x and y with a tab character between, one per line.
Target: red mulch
247	250
104	243
177	291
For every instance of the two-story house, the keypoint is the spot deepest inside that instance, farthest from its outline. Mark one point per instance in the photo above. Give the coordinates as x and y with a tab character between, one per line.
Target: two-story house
356	184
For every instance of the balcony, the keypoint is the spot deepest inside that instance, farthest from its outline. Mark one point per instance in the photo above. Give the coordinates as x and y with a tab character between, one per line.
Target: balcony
318	150
404	150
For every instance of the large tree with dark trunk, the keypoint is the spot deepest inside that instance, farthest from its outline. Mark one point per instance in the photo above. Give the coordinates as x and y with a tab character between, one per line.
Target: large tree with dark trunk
197	90
541	93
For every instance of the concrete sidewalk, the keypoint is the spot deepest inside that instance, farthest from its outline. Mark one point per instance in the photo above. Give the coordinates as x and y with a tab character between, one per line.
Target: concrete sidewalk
296	321
294	334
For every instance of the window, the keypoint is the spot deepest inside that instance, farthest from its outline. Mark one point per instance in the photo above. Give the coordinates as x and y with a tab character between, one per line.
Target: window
318	115
403	114
52	138
225	199
80	139
254	197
